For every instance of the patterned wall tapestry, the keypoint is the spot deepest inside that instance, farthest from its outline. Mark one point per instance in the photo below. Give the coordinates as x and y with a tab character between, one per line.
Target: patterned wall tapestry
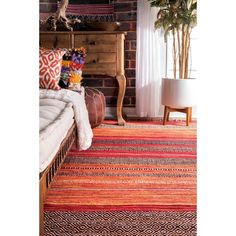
86	10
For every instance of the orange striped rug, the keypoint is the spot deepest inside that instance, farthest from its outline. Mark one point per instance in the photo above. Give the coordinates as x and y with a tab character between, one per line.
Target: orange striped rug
137	179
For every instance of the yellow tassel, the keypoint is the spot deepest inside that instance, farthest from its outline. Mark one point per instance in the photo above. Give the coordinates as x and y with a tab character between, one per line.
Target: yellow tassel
66	63
75	78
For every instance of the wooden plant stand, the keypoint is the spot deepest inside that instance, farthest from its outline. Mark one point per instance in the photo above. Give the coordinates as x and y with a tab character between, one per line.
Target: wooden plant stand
186	110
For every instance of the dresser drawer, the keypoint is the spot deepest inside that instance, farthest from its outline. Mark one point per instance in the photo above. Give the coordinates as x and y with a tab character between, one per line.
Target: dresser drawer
100	57
100	63
55	40
96	43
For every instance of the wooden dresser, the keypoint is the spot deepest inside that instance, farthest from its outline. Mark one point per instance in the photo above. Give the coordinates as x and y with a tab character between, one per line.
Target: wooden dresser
105	55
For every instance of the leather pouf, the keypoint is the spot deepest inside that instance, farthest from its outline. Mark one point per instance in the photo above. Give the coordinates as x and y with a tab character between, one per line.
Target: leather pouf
95	102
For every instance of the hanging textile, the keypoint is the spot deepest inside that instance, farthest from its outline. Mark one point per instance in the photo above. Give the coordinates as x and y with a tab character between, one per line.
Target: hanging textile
91	12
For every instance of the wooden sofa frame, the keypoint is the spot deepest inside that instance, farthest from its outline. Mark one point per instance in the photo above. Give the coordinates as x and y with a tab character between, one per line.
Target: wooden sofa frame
46	177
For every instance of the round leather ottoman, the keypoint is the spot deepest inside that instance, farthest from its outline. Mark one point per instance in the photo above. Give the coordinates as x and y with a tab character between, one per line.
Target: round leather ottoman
95	102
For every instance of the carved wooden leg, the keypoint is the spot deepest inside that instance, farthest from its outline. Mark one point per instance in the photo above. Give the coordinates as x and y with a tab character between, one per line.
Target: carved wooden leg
122	86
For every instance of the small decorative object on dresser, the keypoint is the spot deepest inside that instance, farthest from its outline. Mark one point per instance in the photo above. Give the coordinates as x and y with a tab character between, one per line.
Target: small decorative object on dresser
102	25
59	19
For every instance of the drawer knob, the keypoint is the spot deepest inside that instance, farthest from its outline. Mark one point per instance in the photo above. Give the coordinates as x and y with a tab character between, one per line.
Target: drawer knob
94	61
92	43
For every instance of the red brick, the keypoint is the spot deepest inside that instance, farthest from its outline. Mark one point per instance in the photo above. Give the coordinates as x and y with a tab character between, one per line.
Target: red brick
130	92
111	101
131	82
133	45
109	91
126	16
126	26
129	73
126	64
133	26
133	100
127	101
91	82
134	6
127	45
131	35
132	64
111	82
130	55
123	7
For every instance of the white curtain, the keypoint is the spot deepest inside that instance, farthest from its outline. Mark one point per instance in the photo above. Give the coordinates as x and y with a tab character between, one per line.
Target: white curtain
150	61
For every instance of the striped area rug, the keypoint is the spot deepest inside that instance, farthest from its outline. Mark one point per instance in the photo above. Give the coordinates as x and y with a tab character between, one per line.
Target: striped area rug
137	179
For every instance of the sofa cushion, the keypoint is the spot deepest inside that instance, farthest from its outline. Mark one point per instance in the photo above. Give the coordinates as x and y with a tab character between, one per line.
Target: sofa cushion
50	68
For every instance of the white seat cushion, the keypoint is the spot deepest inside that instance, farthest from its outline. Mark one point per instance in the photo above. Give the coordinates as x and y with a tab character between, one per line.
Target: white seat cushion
56	118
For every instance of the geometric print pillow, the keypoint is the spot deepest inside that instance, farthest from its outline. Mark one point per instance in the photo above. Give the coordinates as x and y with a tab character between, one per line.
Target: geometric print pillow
50	68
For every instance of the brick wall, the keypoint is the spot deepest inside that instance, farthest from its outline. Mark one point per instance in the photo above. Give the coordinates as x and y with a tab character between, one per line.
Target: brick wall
126	14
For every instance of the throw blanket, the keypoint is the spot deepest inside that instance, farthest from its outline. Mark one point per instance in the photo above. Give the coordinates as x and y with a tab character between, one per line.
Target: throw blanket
85	133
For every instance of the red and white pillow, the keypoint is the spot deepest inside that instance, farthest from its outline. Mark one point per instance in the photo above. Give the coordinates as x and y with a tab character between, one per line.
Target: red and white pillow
50	68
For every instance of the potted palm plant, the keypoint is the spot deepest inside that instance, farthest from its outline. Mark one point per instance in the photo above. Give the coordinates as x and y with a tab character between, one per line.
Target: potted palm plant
177	18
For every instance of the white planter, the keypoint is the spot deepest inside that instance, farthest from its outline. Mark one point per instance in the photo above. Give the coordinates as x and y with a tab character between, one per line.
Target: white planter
179	93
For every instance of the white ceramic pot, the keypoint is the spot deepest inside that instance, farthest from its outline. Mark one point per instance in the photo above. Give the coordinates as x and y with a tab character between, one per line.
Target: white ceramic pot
179	93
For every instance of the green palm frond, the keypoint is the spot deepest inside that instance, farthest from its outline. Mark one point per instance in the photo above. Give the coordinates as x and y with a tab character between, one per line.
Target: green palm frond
177	17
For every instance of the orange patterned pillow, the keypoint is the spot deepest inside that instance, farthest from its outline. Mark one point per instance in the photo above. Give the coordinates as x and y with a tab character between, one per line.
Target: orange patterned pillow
50	68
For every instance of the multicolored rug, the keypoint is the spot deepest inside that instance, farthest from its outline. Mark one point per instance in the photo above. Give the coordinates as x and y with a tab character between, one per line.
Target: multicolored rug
137	179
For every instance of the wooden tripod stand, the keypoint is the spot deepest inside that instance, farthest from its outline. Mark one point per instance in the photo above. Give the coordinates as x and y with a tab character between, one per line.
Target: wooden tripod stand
186	110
